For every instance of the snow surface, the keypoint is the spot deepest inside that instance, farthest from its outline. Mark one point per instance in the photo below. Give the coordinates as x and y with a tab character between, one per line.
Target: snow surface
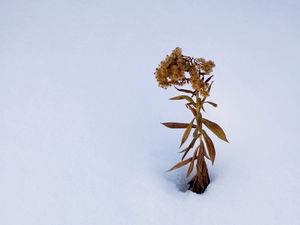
80	136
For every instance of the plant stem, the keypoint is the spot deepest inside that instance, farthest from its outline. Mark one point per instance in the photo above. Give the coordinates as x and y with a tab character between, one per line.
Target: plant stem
199	115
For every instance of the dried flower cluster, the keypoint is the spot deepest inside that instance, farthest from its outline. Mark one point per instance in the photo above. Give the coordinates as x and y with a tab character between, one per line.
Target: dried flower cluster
172	71
174	67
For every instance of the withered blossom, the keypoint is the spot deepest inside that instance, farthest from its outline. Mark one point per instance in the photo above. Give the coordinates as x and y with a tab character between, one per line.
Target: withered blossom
175	68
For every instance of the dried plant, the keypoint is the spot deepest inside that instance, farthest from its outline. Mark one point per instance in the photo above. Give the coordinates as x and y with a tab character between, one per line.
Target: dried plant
178	70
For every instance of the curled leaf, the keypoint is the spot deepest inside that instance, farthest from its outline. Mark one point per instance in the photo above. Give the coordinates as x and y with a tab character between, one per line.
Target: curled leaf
215	128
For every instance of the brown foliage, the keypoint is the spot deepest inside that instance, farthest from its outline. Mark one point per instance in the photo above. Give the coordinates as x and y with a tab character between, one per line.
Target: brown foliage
179	70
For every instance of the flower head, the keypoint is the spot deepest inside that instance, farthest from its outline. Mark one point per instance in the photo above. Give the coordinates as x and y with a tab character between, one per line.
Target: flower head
173	68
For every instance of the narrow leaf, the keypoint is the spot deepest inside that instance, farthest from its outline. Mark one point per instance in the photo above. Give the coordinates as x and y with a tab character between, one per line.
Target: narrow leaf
187	132
191	145
210	147
175	125
200	158
215	128
193	110
181	164
181	97
191	167
204	153
206	156
208	79
212	103
208	90
195	134
203	108
184	90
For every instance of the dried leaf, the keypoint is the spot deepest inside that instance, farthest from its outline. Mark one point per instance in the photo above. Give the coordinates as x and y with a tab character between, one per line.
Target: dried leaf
206	156
210	147
195	134
191	167
193	110
215	128
208	90
203	108
201	103
191	145
184	90
200	158
212	103
208	79
192	142
181	164
175	125
181	97
204	152
187	132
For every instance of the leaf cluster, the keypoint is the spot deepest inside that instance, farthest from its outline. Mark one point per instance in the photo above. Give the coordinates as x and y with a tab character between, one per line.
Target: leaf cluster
206	147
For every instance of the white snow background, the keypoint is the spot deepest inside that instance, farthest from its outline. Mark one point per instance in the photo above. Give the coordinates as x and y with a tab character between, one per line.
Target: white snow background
80	136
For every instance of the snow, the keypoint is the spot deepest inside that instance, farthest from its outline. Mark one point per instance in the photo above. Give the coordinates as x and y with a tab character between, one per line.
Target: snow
80	111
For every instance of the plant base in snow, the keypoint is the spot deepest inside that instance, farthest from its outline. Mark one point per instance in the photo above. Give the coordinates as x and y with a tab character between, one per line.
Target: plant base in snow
199	184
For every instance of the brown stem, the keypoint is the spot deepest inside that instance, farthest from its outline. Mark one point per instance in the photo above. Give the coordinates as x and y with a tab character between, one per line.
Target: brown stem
201	180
